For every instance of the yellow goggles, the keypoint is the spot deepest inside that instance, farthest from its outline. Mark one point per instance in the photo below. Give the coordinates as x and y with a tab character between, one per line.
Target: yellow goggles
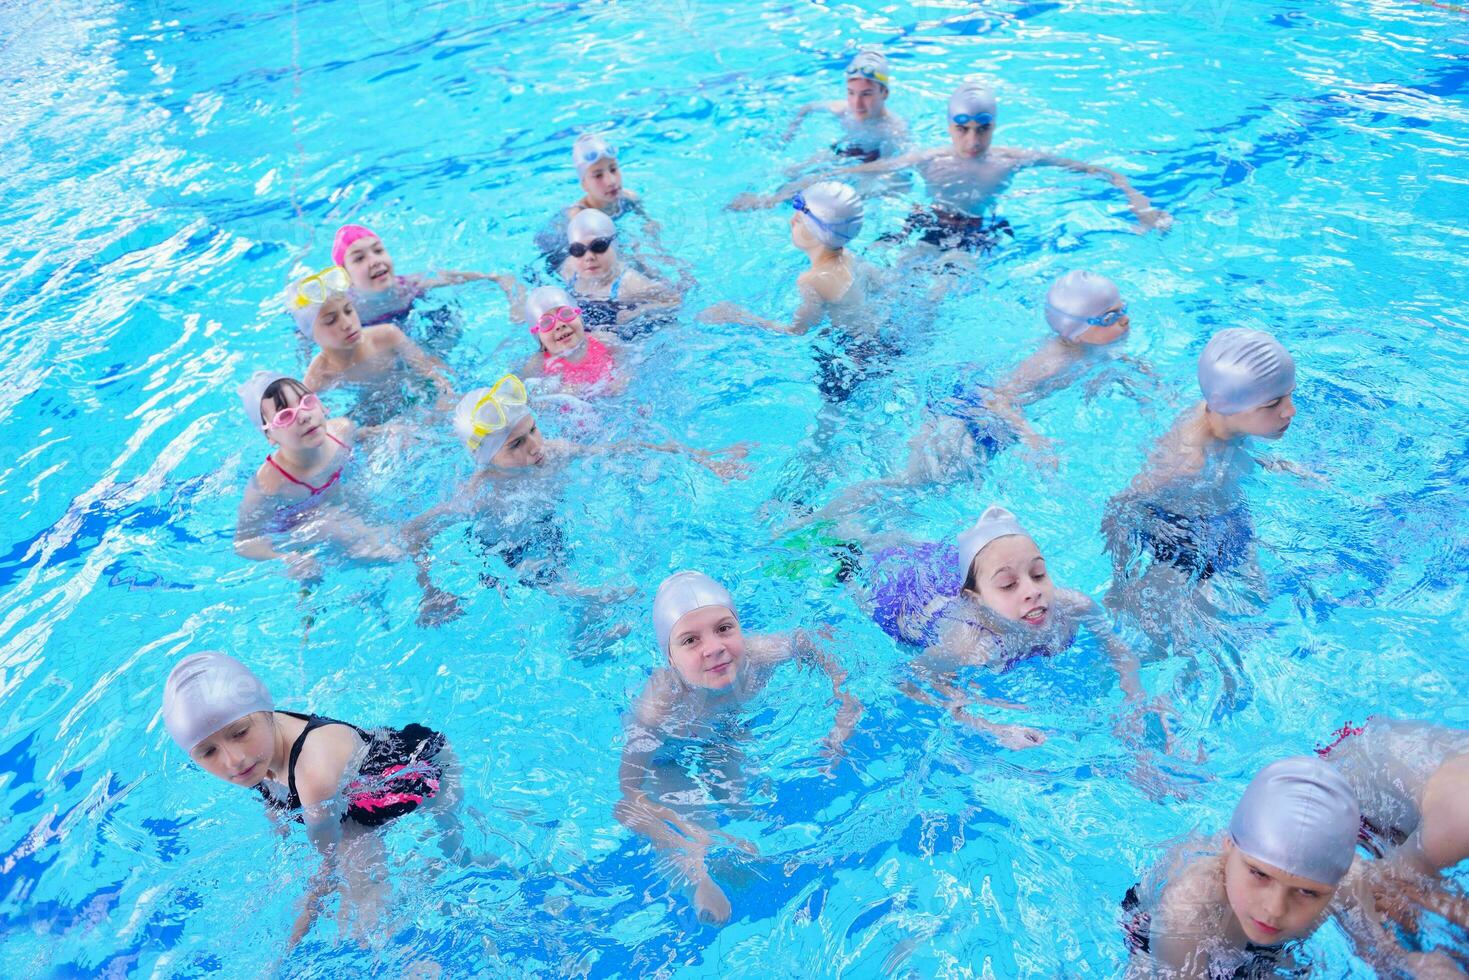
512	395
315	289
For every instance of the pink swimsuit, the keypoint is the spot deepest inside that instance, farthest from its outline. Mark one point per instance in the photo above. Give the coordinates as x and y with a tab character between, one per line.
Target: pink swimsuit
595	365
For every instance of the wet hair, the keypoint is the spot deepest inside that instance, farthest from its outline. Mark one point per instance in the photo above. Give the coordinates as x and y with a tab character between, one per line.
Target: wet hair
276	392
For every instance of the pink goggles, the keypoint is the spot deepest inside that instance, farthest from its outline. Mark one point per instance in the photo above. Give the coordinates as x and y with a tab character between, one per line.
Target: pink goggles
287	416
549	319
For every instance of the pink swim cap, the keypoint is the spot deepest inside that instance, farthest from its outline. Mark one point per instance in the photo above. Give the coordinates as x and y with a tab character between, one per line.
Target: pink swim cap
346	235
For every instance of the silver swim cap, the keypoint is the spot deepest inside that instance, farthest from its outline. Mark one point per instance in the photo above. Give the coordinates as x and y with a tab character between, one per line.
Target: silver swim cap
477	420
831	211
1299	814
1077	296
252	392
973	99
207	691
680	594
869	64
1242	369
589	224
588	149
544	299
995	522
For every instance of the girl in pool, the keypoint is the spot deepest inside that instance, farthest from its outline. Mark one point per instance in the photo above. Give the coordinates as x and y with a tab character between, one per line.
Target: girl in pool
964	178
1183	509
582	361
380	294
601	179
342	782
711	668
379	356
610	294
514	460
298	490
870	131
1240	905
1007	610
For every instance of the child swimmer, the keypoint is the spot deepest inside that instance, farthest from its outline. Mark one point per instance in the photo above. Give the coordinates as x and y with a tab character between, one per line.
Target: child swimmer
1183	508
1009	609
712	667
870	131
323	309
581	360
342	782
1240	904
298	490
378	292
610	293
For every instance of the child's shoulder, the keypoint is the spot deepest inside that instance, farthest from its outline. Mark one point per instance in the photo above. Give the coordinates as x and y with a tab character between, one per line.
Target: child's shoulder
384	335
324	758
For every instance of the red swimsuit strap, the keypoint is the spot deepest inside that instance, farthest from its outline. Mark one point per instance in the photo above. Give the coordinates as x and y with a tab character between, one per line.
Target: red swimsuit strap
302	483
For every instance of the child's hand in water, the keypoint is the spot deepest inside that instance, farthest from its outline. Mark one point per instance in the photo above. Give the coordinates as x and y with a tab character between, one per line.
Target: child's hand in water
1041	452
1018	736
438	606
1149	219
710	903
725	312
753	202
728	468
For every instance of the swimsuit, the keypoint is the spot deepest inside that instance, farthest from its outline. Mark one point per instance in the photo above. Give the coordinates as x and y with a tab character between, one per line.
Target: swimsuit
1199	545
380	306
594	366
947	229
601	312
1379	836
967	403
1260	961
336	475
542	549
397	773
849	148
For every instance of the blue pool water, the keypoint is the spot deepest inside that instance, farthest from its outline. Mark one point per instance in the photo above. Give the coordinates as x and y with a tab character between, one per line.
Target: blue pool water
171	165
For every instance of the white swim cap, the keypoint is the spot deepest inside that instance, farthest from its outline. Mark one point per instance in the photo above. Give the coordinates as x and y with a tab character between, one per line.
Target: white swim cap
973	99
1299	814
304	297
207	691
589	224
680	594
995	522
1077	296
588	149
252	392
475	408
1242	369
831	211
544	299
869	64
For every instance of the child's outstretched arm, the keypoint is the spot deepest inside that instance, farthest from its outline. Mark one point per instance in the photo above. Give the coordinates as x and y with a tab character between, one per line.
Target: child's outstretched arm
1124	661
849	709
811	311
1023	384
429	367
936	666
457	277
252	539
885	165
727	468
1147	215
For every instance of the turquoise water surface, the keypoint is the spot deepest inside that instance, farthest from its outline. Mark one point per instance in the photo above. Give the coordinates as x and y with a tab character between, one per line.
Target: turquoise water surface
171	166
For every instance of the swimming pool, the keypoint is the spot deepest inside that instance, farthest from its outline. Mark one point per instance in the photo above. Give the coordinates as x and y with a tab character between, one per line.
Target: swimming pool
171	165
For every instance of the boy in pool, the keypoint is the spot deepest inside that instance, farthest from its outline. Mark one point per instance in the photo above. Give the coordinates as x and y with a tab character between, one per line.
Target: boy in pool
342	782
712	668
870	131
611	294
1240	904
965	177
496	426
380	294
1008	610
298	490
374	356
1184	507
